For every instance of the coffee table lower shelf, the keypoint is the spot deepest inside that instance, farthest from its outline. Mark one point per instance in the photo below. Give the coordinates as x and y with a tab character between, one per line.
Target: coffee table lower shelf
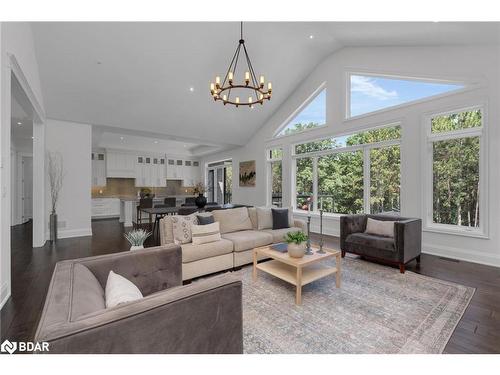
289	273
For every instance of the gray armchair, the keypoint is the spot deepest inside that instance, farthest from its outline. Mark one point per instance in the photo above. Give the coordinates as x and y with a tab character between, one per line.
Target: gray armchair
405	246
203	317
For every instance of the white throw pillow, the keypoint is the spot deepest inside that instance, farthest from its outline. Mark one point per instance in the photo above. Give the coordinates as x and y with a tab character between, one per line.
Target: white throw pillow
264	218
120	290
205	233
182	228
380	227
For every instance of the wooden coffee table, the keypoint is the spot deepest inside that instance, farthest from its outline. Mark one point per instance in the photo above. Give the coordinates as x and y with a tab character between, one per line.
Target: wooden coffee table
297	271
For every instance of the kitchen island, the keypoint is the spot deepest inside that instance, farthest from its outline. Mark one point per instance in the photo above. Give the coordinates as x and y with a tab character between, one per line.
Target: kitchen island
128	207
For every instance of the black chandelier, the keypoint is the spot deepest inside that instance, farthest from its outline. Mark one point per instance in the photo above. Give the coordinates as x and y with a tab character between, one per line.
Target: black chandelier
256	93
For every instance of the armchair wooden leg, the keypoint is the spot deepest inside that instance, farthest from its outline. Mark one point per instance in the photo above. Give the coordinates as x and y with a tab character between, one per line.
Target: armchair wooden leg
401	267
343	253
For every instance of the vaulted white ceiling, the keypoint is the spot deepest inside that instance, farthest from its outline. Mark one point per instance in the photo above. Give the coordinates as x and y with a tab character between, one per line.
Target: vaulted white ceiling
137	76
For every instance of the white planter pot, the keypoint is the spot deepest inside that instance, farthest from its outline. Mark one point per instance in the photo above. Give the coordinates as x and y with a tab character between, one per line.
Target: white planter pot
136	247
297	251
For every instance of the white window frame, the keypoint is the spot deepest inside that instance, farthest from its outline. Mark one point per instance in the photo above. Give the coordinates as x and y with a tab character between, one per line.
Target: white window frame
347	109
304	104
365	148
269	174
427	172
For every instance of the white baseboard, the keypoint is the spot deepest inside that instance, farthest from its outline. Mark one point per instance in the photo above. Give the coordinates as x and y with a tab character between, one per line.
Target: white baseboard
462	254
69	233
4	294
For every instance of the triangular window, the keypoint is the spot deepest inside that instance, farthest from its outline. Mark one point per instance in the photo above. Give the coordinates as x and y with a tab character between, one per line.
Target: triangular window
312	115
373	93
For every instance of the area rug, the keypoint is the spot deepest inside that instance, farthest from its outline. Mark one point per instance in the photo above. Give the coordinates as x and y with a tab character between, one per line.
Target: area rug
376	310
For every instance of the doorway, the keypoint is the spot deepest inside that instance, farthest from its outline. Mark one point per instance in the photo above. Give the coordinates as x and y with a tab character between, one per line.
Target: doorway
220	182
21	157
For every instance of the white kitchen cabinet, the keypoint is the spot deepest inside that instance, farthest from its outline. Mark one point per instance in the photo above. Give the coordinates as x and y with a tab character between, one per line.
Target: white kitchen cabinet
105	207
98	169
191	173
150	171
171	169
120	164
143	171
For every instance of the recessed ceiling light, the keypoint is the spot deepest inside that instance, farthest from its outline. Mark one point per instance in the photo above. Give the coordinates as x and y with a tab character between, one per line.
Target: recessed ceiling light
156	141
311	36
191	89
19	123
32	137
185	145
121	138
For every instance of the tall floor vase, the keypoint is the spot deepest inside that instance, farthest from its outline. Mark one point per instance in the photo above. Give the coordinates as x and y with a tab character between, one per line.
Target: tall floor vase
53	227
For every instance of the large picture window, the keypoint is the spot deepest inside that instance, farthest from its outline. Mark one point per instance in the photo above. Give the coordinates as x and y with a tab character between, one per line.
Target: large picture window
350	174
340	182
455	141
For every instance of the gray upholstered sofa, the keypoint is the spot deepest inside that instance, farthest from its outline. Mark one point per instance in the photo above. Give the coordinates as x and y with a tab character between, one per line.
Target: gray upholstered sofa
403	247
203	317
240	235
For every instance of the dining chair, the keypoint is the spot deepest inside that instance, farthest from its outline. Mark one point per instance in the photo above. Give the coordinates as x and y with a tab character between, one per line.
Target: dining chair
143	203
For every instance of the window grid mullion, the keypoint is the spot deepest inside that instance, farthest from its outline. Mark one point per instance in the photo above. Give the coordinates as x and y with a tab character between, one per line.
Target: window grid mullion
315	183
366	179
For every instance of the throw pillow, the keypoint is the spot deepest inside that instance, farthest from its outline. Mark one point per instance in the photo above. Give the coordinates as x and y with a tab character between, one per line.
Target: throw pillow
205	233
264	218
205	219
233	220
120	290
280	218
182	228
380	228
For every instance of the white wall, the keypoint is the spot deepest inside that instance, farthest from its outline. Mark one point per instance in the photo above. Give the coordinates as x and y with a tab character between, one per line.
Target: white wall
472	64
74	142
16	40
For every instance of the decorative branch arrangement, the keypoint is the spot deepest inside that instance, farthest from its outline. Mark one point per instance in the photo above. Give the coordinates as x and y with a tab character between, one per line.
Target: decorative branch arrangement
137	237
55	170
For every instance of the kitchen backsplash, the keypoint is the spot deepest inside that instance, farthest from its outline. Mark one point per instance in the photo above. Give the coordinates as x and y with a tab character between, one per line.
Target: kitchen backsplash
126	187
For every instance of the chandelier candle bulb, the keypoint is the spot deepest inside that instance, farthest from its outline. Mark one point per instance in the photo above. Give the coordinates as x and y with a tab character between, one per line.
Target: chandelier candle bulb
261	81
230	77
217	81
237	100
269	87
250	100
212	88
247	77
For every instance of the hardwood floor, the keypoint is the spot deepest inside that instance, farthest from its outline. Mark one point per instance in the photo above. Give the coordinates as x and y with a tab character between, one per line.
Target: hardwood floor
477	332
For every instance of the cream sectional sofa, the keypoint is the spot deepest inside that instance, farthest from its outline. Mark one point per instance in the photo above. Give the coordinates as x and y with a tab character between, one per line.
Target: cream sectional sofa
239	236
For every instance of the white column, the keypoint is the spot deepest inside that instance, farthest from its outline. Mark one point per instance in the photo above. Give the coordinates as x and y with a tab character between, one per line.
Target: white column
39	209
5	199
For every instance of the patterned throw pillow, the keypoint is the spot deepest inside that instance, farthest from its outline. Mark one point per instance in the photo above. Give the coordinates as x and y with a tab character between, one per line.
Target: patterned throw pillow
182	228
206	233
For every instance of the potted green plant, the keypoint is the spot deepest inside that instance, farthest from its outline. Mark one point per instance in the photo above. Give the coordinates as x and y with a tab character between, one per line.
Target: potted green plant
296	243
136	238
